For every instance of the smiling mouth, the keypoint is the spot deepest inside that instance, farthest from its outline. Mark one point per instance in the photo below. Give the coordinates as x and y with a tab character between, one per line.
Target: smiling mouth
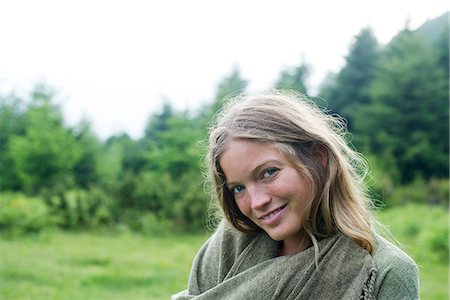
272	214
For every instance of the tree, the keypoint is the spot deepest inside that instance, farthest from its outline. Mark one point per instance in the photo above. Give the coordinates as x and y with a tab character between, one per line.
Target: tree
350	87
12	110
111	163
231	84
45	156
294	78
86	169
168	182
159	122
442	48
409	113
171	148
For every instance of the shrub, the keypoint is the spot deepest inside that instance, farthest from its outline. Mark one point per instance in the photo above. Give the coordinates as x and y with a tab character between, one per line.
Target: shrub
435	192
180	200
425	228
82	208
382	178
438	192
20	214
146	222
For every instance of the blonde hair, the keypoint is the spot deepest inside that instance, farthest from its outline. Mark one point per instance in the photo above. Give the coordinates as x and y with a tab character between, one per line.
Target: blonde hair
297	127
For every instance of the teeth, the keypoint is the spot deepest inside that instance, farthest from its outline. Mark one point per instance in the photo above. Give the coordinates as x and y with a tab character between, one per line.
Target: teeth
270	216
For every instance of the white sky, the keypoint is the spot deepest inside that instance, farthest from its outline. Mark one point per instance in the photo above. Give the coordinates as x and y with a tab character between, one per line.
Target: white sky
114	61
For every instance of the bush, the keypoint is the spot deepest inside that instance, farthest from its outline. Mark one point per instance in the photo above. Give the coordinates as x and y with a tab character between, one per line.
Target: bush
82	208
190	210
382	178
438	192
20	214
425	228
434	192
147	223
180	200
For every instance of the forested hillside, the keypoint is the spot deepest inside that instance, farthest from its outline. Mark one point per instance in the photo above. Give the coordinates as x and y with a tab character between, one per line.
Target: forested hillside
395	98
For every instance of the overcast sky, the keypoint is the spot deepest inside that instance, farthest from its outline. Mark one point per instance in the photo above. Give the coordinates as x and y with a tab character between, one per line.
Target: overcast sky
114	61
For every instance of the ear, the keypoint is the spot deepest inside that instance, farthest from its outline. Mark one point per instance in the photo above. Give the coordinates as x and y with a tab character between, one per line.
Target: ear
321	152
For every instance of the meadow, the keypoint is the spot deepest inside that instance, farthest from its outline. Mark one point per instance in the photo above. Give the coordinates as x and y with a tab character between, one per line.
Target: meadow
123	265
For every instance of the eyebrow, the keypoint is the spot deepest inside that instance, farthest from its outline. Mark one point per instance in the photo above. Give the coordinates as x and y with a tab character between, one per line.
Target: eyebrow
255	170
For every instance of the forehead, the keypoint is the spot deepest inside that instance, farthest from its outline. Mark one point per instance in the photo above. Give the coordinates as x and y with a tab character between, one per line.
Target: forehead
239	146
242	156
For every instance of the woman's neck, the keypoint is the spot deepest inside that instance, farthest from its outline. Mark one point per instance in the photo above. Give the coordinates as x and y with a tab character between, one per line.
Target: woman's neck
295	244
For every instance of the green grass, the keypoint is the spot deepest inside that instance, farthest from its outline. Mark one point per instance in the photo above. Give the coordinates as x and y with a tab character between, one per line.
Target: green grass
423	232
82	265
93	266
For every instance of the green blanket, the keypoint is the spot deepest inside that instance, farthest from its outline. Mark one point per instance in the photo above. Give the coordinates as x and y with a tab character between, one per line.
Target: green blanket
233	265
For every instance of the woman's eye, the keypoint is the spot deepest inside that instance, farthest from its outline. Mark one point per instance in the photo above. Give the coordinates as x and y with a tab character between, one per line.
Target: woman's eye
270	172
237	189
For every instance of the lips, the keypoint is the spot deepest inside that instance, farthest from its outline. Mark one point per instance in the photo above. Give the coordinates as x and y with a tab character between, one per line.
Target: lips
273	215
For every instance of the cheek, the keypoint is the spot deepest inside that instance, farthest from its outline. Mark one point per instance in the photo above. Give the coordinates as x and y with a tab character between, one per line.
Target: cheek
296	187
244	207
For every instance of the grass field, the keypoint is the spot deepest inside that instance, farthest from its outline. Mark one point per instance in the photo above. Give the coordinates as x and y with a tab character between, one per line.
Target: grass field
58	265
94	266
423	232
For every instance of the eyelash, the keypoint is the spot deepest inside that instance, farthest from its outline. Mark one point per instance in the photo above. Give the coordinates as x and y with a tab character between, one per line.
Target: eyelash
233	190
273	171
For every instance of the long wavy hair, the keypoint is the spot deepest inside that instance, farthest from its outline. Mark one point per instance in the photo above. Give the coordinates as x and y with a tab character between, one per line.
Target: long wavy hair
298	128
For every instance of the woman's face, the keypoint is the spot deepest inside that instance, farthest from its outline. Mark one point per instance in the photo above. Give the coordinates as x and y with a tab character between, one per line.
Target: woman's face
267	188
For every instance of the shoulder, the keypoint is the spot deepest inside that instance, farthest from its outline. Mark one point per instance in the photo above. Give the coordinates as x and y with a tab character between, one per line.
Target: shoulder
224	245
228	241
216	257
397	275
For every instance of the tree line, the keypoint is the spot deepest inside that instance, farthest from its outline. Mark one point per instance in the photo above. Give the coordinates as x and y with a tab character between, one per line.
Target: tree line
394	98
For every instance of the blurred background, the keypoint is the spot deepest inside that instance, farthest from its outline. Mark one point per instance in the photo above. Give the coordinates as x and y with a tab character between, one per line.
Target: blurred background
104	106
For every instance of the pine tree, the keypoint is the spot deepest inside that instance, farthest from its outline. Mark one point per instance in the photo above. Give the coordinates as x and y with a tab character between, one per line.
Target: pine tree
294	78
350	87
408	115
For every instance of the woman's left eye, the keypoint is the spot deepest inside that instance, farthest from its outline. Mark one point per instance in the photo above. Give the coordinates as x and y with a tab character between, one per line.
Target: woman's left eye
270	172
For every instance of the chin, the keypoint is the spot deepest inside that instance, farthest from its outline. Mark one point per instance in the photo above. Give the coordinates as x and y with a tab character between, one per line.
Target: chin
276	236
280	234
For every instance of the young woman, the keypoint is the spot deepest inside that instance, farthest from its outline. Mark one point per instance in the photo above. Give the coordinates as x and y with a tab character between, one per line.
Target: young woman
297	221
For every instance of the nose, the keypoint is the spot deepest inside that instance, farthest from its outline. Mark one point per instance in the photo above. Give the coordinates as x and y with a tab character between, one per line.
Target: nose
258	197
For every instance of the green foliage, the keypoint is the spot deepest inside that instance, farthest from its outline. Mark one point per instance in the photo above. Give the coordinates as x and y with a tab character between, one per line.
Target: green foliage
85	171
168	183
20	214
11	123
408	115
44	157
192	211
110	163
128	266
234	83
424	227
382	178
350	87
146	223
294	78
394	97
422	231
439	28
79	208
386	192
174	148
433	192
395	100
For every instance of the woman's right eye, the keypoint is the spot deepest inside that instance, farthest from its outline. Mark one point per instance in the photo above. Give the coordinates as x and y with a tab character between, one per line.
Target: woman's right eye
237	189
